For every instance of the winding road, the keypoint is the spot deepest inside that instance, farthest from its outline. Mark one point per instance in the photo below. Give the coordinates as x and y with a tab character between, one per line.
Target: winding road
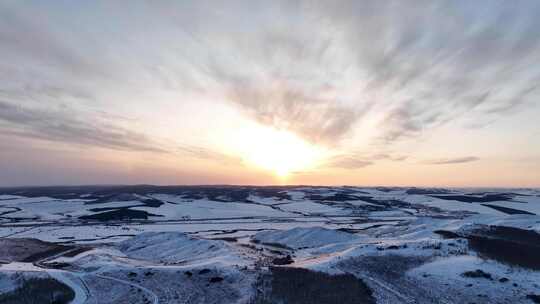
82	292
155	299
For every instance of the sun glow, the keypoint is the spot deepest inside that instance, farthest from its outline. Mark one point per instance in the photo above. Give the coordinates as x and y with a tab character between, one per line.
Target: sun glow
280	152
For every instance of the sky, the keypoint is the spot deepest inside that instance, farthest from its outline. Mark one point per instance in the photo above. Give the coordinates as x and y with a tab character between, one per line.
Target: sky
397	93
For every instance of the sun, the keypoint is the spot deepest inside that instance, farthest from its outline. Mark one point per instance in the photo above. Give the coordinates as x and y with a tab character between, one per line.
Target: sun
278	151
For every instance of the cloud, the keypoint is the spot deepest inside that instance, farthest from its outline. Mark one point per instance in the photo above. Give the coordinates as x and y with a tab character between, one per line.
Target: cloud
283	81
208	154
62	126
417	66
319	72
475	61
24	37
348	162
399	123
320	121
355	161
450	161
395	158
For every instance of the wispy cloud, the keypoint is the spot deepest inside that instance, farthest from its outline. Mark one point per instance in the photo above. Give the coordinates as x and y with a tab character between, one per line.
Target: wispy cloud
348	162
384	58
318	72
450	161
284	82
61	126
208	154
357	161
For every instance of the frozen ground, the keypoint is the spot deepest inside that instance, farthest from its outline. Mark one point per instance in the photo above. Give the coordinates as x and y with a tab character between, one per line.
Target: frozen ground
147	244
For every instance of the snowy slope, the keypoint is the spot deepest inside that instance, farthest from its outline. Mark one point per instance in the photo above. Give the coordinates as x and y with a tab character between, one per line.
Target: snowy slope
179	248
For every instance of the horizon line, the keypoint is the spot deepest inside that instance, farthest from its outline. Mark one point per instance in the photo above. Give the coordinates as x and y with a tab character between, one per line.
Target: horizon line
263	185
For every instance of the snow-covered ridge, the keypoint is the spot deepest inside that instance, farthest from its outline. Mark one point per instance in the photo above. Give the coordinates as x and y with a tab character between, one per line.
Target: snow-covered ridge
304	237
213	244
179	248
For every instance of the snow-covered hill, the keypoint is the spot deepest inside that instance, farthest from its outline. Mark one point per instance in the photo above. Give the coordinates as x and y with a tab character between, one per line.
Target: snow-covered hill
219	244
